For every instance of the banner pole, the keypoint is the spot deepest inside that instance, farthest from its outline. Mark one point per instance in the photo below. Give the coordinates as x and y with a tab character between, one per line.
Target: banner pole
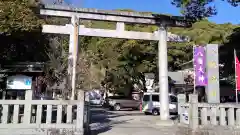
194	73
235	64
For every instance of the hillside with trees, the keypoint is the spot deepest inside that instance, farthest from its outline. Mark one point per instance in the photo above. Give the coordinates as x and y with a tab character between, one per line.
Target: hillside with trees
128	60
115	64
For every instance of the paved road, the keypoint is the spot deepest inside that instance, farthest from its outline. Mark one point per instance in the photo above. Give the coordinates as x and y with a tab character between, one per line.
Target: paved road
127	123
135	123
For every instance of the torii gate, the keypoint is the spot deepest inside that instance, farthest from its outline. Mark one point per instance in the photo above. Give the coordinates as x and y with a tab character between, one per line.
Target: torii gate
74	30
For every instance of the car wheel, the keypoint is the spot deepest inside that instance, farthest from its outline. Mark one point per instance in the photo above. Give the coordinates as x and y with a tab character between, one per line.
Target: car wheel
223	100
147	113
137	108
155	112
111	108
117	107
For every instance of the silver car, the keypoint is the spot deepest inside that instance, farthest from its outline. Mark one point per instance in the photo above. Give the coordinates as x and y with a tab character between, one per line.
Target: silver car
118	102
151	103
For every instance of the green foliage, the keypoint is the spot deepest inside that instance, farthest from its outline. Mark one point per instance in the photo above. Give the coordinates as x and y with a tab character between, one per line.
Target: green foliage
200	9
120	63
56	66
20	32
126	61
88	75
18	15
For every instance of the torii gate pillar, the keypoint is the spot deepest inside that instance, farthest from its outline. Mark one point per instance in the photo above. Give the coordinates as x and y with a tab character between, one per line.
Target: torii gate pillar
73	54
163	73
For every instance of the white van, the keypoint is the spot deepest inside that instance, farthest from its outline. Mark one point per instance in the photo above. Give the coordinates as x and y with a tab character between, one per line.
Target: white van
151	103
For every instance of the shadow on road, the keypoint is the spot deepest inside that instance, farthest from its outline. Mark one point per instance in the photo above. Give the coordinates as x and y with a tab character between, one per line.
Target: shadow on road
101	120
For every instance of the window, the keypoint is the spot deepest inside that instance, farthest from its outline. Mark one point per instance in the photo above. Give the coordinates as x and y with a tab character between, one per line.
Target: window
173	99
155	98
146	98
116	97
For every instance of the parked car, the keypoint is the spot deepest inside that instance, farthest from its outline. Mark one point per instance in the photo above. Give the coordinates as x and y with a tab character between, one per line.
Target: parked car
151	103
118	102
96	101
95	97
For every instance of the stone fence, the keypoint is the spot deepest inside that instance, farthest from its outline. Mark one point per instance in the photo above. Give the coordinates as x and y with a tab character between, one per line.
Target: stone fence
205	116
43	117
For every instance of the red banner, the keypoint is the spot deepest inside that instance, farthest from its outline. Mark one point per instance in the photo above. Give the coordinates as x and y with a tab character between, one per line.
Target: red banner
237	66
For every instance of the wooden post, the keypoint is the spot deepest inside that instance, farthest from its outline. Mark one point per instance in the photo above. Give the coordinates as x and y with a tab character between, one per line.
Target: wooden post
181	100
193	111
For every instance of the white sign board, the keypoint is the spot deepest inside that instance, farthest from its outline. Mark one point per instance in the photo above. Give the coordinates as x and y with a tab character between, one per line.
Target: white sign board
149	78
19	82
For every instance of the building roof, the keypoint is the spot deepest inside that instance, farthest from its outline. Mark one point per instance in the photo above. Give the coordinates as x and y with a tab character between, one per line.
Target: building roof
22	67
177	77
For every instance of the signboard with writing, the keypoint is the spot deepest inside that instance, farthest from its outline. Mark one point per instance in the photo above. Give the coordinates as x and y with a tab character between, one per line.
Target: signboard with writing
19	82
199	60
212	89
149	78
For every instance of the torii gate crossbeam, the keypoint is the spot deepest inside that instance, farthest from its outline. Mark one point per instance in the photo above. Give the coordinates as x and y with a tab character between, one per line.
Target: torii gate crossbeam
162	21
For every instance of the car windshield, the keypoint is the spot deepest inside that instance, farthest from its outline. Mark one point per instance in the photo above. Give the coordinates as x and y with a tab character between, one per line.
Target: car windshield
173	99
146	98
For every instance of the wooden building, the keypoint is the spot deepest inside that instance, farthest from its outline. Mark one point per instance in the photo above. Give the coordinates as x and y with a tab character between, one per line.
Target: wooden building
17	77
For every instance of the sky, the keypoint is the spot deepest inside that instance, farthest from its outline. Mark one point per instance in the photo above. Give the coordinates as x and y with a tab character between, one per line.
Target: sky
226	12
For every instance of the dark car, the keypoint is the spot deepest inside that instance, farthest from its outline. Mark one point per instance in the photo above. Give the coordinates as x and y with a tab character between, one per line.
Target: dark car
119	102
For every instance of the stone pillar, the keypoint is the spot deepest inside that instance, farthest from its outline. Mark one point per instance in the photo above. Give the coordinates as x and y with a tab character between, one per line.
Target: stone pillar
213	87
80	111
163	73
181	100
87	115
73	54
193	111
70	48
27	107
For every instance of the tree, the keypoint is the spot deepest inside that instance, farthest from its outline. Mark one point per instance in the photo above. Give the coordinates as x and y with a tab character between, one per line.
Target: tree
56	66
227	55
18	15
199	9
20	29
88	75
120	63
126	61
